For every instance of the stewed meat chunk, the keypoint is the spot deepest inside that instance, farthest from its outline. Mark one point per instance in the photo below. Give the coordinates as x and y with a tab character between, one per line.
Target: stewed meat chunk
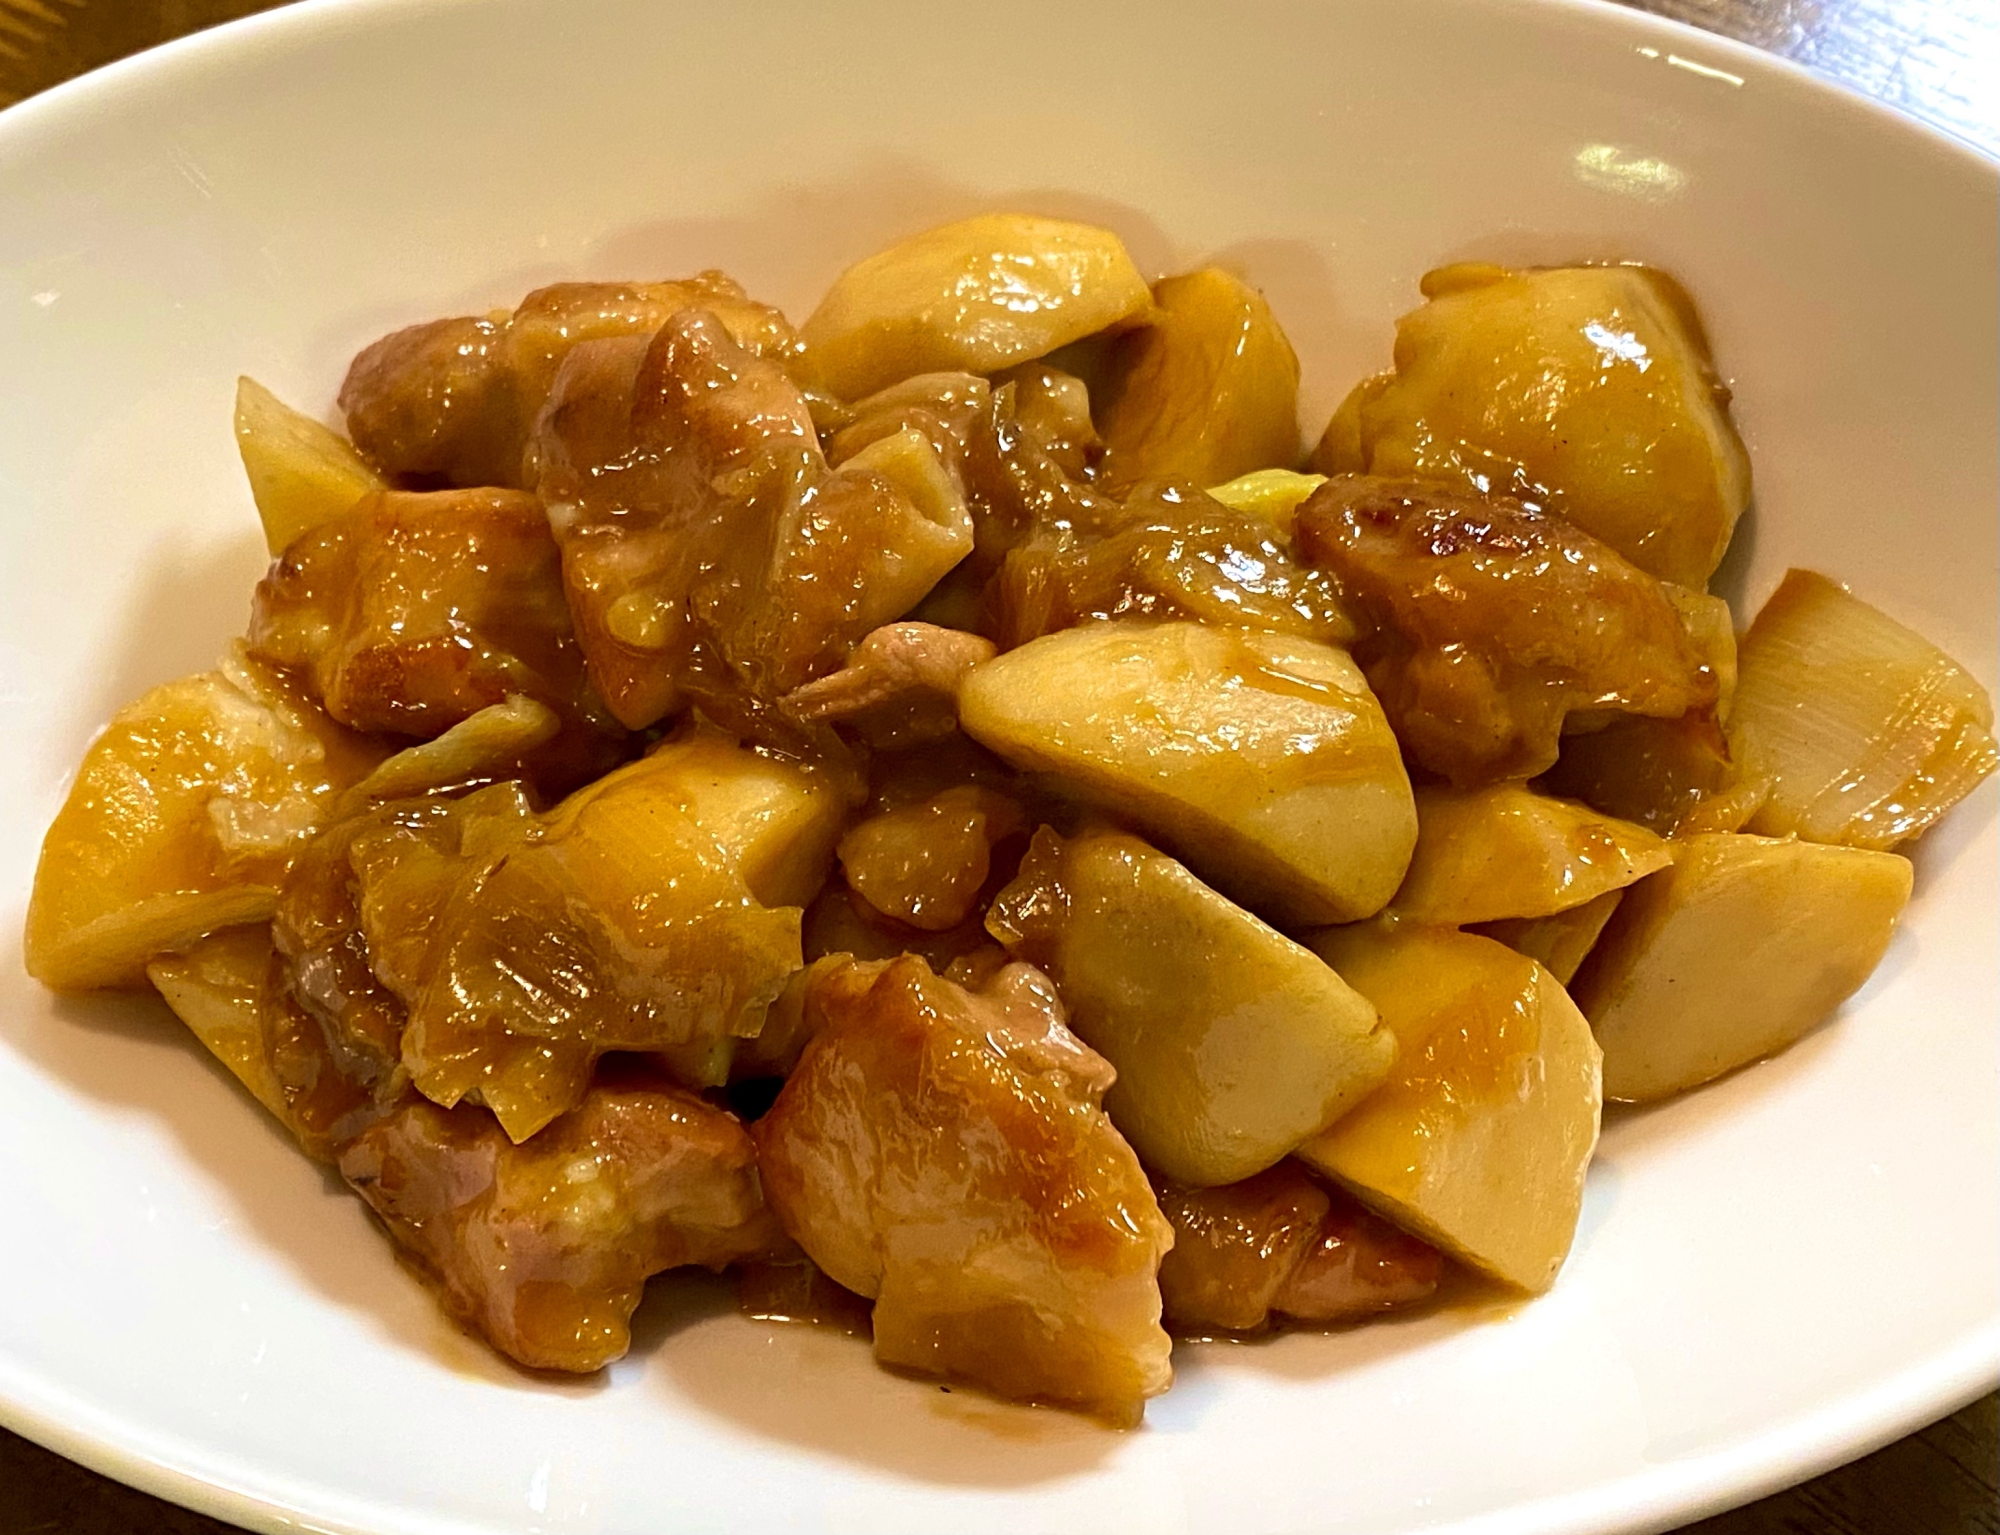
1281	1246
942	1152
457	399
1493	621
701	526
545	1248
414	611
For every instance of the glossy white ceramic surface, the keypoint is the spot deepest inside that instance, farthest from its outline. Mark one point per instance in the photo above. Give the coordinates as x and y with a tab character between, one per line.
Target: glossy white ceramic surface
1771	1275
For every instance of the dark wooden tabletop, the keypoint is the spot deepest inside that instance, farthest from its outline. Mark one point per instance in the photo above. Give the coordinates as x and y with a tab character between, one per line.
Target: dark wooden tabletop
1935	59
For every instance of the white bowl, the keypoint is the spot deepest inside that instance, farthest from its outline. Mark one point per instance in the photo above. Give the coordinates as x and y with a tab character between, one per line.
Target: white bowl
1772	1275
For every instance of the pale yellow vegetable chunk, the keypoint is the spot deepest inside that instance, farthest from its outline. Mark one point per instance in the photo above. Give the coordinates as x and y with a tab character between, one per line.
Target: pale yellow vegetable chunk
1867	731
1585	390
1209	390
1272	494
1479	1140
301	472
1731	954
1232	1043
183	819
774	824
1559	943
1489	854
1261	760
974	297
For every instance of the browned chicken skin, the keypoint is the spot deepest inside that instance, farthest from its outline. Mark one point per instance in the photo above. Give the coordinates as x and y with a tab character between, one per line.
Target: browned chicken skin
942	1152
1492	621
414	611
545	1248
1281	1245
458	398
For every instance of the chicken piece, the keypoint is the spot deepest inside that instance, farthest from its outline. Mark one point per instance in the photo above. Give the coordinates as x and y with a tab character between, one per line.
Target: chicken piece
458	398
1178	554
942	1152
927	864
413	612
185	814
1281	1245
899	687
1359	1265
1027	462
704	538
1492	621
545	1248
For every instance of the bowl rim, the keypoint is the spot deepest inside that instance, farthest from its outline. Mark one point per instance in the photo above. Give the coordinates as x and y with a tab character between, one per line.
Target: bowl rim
1794	1450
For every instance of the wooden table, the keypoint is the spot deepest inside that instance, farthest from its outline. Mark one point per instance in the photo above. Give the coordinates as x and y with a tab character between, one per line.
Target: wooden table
1936	59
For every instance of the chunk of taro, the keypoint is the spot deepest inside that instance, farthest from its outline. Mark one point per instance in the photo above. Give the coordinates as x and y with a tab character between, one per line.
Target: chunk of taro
185	814
706	544
1493	621
545	1248
412	612
1281	1245
941	1151
458	398
1588	391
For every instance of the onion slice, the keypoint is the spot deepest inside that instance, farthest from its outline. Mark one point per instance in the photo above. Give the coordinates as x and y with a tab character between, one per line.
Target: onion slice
1868	732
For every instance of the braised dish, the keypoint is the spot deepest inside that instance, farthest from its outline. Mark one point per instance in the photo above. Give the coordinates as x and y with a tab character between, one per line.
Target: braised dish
948	811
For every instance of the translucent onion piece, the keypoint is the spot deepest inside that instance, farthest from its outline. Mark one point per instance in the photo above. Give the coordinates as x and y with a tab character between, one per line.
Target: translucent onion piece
1867	730
477	748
